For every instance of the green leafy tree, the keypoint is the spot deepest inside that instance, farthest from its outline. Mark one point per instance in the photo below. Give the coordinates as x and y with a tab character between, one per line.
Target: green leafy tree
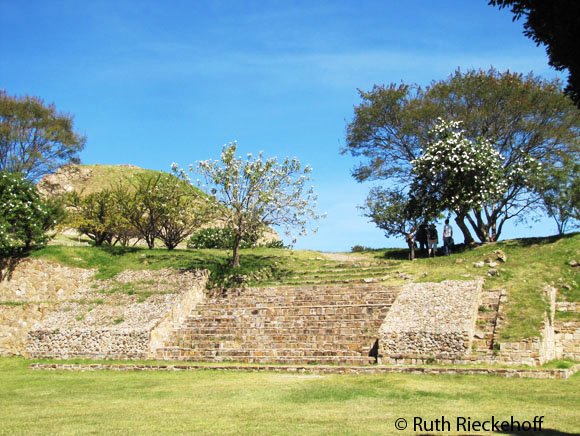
162	206
560	193
24	220
139	205
35	139
258	192
182	210
523	117
393	212
555	24
96	215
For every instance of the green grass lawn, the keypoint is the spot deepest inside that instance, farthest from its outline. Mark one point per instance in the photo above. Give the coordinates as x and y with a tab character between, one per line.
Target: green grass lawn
532	264
211	402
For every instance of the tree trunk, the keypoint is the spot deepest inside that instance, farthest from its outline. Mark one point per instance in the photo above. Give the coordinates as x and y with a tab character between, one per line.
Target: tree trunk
235	261
460	221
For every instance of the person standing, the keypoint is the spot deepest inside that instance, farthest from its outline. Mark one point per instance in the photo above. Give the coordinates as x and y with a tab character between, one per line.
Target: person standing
447	238
433	239
421	238
411	243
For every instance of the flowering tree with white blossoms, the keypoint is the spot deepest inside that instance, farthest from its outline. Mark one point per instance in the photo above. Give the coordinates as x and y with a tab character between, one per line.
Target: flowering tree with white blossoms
257	192
470	179
24	220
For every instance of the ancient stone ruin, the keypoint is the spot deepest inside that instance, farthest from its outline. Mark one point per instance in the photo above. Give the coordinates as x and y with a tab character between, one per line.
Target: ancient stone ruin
61	312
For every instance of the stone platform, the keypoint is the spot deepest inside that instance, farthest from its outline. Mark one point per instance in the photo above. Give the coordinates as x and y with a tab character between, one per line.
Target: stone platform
432	320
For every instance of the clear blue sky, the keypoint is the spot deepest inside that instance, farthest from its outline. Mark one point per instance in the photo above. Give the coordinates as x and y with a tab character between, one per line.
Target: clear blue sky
153	82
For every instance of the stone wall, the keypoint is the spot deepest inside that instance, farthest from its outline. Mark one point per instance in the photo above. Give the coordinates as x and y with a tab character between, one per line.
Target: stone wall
567	332
93	343
35	289
53	311
568	339
431	320
537	350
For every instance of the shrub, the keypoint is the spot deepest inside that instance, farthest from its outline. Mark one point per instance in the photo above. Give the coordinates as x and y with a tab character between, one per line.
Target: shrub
359	249
220	237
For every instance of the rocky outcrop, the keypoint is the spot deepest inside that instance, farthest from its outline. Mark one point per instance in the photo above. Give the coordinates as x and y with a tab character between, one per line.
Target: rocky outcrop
64	180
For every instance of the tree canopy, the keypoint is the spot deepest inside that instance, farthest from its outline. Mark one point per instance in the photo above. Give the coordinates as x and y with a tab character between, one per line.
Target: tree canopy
24	220
555	24
35	139
257	192
522	117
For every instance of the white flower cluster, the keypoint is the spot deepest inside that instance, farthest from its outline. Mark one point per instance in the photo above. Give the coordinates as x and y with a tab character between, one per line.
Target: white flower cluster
460	172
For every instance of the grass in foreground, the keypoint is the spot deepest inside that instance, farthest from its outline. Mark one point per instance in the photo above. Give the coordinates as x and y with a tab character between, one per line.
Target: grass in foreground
210	402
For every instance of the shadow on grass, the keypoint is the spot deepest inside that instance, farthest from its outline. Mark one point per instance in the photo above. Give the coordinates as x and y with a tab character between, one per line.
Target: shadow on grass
403	253
545	432
526	242
118	251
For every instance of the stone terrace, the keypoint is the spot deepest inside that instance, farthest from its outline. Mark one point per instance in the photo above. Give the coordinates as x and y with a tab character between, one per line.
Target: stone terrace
292	325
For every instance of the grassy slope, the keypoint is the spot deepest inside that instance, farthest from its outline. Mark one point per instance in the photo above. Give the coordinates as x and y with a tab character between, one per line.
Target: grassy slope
107	176
209	402
532	263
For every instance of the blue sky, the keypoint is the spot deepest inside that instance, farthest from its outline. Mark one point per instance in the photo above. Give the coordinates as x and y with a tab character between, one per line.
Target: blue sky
152	82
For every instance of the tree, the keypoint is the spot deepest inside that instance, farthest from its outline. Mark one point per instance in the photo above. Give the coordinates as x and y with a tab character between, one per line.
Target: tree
183	209
162	206
255	193
35	139
555	24
466	177
521	116
24	220
392	211
97	216
139	205
560	193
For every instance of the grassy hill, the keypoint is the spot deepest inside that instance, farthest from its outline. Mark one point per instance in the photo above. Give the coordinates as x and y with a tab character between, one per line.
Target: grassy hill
87	179
531	264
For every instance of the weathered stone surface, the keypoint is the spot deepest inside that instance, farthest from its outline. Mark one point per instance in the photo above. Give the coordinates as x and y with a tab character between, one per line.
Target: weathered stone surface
431	320
55	311
291	324
319	369
500	255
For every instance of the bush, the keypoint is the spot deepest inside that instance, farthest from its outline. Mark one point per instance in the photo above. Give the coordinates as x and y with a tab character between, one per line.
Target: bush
359	249
274	244
216	237
223	238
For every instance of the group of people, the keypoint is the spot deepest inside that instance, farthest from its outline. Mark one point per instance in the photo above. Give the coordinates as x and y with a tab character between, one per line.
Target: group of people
428	238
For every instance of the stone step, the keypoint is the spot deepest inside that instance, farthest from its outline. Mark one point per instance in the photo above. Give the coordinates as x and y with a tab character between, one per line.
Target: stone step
355	346
267	352
273	311
291	291
266	339
269	332
304	299
299	322
305	360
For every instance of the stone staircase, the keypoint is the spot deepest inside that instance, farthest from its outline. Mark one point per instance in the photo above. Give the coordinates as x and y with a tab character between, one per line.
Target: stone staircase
487	323
323	324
